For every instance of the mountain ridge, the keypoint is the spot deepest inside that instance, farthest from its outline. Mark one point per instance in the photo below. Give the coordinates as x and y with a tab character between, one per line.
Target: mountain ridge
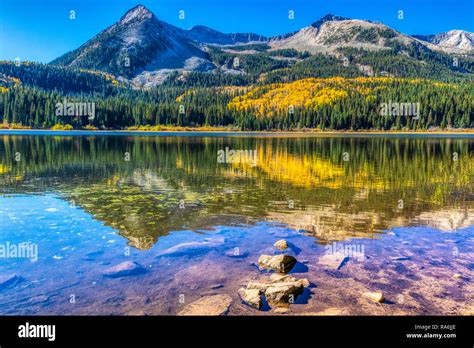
452	39
145	49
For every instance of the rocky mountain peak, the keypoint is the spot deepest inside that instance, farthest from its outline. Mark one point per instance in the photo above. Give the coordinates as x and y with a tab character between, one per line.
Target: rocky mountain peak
138	13
327	18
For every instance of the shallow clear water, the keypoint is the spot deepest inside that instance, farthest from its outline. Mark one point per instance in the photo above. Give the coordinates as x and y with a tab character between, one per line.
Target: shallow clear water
180	209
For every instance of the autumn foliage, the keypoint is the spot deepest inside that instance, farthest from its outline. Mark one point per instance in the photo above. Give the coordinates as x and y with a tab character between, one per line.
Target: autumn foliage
313	93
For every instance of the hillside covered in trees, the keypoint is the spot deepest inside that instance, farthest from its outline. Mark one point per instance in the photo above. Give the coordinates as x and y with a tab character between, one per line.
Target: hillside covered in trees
287	96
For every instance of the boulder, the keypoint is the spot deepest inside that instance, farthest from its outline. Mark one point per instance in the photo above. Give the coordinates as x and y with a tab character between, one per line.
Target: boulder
374	296
281	244
251	297
279	263
283	293
280	292
208	305
124	269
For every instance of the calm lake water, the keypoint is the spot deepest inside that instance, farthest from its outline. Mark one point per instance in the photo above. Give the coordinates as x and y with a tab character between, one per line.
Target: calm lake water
196	212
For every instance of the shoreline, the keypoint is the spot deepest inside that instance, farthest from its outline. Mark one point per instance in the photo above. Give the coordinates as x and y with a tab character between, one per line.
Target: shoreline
463	132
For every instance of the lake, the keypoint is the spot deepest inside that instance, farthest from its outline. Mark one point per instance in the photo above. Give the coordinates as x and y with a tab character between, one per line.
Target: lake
194	212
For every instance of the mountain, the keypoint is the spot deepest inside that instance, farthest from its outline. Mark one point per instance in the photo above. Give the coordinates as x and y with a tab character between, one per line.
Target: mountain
333	32
138	41
139	45
148	51
455	41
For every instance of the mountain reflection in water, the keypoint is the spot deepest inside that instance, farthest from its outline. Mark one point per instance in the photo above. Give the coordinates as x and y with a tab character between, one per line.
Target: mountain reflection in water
332	188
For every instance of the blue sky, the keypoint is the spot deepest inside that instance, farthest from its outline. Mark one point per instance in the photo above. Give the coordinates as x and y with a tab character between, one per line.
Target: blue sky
40	30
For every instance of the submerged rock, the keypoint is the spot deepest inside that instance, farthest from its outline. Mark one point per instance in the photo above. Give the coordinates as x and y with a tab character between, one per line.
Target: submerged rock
281	244
279	263
10	280
216	286
251	297
236	253
208	305
374	296
193	247
38	300
124	269
334	260
93	255
400	258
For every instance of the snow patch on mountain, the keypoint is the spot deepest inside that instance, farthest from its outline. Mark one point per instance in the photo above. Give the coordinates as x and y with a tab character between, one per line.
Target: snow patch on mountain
453	41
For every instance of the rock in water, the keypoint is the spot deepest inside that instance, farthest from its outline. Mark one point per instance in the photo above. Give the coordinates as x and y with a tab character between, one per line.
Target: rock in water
281	244
193	247
124	269
10	280
279	263
251	297
374	296
277	278
208	305
400	258
258	286
334	261
280	278
38	300
283	293
236	253
282	290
